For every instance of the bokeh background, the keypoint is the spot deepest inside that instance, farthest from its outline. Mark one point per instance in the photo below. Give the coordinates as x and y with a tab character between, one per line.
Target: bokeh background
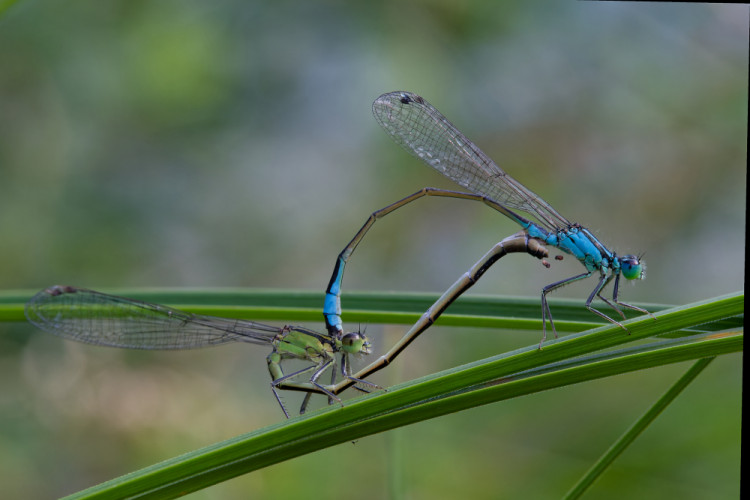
230	143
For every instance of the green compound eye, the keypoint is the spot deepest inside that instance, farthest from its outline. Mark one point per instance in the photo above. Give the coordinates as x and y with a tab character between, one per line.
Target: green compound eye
354	343
632	268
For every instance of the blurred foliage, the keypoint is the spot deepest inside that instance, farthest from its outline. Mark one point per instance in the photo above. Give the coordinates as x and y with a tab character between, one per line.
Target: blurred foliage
230	143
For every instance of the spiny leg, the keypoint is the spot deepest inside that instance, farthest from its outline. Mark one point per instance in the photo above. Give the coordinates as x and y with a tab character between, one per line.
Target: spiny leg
306	400
623	304
346	372
596	293
611	304
314	380
278	377
333	380
546	313
278	383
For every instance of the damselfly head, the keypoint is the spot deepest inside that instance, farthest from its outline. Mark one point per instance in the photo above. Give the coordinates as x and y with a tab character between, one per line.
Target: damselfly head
632	267
355	343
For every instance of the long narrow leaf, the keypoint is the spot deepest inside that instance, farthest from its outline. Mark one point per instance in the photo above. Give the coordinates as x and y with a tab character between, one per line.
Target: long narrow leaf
631	434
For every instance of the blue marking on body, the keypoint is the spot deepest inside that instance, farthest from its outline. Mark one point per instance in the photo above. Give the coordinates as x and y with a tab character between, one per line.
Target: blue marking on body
332	312
567	243
592	256
332	302
537	232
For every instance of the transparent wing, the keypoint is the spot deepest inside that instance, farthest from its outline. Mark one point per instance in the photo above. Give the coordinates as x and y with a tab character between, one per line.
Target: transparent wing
422	130
98	318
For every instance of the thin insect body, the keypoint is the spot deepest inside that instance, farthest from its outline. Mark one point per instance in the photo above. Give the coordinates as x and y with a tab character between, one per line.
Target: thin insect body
424	132
108	320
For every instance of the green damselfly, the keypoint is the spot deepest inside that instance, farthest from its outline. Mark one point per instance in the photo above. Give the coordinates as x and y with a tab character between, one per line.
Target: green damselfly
108	320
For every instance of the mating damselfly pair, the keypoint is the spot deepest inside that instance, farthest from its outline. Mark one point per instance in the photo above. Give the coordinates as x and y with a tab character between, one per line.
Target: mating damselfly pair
102	319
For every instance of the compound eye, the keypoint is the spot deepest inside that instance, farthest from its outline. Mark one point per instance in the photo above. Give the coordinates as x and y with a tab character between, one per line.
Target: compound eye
353	342
632	267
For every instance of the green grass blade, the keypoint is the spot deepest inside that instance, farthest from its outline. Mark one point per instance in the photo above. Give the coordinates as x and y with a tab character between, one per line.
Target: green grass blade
631	434
521	313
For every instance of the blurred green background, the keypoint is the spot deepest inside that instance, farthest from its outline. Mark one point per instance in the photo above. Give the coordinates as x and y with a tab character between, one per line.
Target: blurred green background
230	143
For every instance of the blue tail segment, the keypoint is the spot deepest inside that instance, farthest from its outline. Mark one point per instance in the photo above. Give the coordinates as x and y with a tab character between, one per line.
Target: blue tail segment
332	304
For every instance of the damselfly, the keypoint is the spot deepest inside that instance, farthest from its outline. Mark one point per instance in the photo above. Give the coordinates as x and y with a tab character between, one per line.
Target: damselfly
424	132
107	320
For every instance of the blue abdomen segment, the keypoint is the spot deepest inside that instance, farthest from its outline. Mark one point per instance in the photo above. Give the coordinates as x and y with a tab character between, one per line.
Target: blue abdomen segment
578	242
586	250
332	303
332	312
